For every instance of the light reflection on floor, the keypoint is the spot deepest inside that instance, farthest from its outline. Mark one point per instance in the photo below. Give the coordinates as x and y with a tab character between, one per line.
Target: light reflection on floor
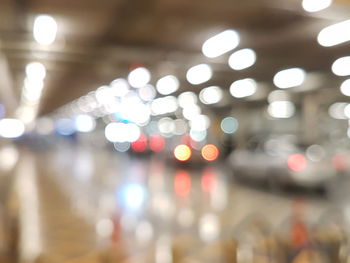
147	207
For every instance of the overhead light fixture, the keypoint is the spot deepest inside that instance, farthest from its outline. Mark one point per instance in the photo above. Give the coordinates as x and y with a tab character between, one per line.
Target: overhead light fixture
336	110
147	93
289	78
347	111
164	105
341	67
221	43
35	71
211	95
316	5
120	87
139	77
278	95
242	59
281	109
187	98
45	29
243	88
334	34
11	128
167	85
345	87
199	74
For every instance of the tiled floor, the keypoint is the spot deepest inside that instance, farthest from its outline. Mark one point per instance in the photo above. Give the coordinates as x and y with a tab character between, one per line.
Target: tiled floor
101	207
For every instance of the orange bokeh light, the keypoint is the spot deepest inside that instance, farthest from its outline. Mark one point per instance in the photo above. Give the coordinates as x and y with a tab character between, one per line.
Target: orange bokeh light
210	152
182	152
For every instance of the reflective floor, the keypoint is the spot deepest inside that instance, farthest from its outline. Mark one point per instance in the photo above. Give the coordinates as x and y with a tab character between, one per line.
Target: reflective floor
83	205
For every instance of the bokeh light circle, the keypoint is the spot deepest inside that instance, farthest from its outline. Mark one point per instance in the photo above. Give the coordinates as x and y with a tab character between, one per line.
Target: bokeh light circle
229	125
182	152
210	152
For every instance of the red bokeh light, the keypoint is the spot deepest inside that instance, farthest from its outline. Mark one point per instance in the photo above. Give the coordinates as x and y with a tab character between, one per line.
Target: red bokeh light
156	143
297	162
140	145
208	181
182	183
339	162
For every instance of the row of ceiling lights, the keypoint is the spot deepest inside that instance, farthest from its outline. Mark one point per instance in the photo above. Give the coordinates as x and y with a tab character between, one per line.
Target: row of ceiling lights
45	30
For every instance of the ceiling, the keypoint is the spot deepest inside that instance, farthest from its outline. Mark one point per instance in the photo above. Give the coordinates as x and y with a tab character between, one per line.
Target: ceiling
99	41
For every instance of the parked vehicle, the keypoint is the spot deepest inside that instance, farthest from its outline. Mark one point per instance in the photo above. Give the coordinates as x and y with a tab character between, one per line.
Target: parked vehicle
281	162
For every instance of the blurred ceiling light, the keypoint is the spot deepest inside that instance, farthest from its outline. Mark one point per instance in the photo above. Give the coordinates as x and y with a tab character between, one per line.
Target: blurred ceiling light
120	87
229	125
345	87
139	77
31	93
147	93
211	95
220	43
198	136
199	74
35	71
281	109
278	95
166	126
242	59
84	123
104	95
341	67
31	85
132	131
336	110
200	122
288	78
191	111
121	132
243	88
11	128
187	98
167	85
164	105
334	34
180	127
135	111
316	5
45	29
27	113
347	111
